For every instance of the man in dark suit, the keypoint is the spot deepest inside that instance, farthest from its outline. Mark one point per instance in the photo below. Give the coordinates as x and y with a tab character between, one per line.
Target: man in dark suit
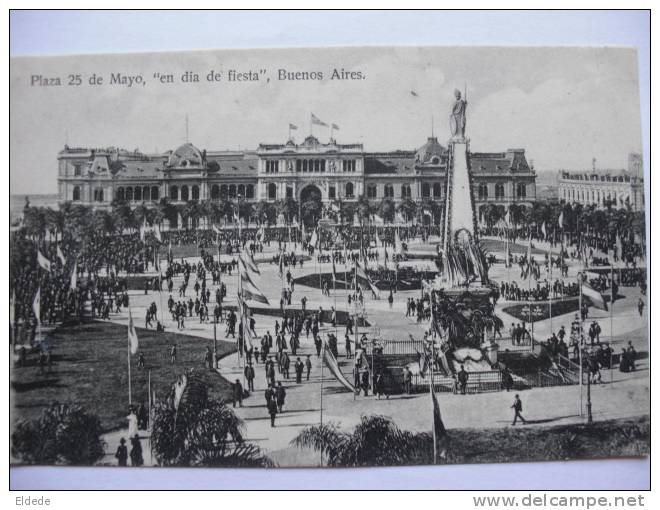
517	408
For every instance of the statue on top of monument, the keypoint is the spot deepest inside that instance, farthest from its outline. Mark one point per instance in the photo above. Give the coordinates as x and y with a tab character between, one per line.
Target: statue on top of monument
457	118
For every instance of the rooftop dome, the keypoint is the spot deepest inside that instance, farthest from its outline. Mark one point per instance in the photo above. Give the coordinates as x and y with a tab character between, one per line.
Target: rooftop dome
430	153
186	155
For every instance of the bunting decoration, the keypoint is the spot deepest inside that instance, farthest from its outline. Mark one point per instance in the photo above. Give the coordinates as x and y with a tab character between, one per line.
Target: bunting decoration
43	261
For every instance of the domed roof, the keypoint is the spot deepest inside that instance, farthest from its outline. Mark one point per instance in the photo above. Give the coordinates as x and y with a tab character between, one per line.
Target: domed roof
186	155
430	153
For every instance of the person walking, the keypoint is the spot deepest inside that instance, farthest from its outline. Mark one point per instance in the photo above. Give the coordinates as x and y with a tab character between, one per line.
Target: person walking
407	380
308	366
173	354
463	377
517	408
272	408
249	376
280	396
299	366
122	453
237	394
136	452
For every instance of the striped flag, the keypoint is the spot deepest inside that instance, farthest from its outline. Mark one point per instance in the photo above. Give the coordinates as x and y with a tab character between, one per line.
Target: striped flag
36	305
314	239
292	126
545	235
74	275
251	291
60	255
335	127
439	431
317	122
560	220
594	296
157	234
132	334
334	271
43	261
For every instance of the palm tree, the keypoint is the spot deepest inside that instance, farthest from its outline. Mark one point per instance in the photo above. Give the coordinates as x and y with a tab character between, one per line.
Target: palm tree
375	441
407	207
364	208
386	209
191	429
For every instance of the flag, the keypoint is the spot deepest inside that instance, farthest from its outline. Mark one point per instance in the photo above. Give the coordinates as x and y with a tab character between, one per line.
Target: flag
335	126
545	235
333	366
249	262
60	255
594	296
216	230
314	239
281	264
398	246
12	308
318	122
157	234
439	431
507	218
361	272
426	212
251	291
43	261
36	305
560	220
247	267
334	271
292	126
132	334
413	93
74	276
143	229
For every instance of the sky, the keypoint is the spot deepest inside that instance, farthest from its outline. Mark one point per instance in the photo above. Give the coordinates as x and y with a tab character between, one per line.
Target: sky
564	106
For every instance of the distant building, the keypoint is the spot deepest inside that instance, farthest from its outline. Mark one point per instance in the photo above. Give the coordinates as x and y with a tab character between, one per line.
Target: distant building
327	171
603	186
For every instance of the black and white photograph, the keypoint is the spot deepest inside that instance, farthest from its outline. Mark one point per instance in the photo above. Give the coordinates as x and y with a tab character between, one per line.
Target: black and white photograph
328	257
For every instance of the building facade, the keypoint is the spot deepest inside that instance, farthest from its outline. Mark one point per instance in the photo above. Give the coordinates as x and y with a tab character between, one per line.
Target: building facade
603	187
328	171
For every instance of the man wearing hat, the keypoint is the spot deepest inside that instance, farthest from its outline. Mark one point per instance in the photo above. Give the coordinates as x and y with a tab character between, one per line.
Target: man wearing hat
122	453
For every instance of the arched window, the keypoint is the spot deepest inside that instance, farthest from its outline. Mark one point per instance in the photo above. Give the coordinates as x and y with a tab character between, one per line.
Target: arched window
241	190
426	190
405	191
349	190
120	194
195	192
155	193
137	193
146	195
223	191
437	190
215	192
499	191
184	193
389	191
249	193
174	193
76	192
98	194
272	191
521	190
129	194
232	191
483	191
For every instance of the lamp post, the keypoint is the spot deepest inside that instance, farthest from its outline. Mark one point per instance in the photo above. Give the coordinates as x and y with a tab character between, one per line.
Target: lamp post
589	415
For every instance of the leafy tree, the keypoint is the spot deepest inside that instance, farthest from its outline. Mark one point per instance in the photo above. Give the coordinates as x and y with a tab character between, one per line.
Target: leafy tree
64	434
375	441
194	430
408	207
386	209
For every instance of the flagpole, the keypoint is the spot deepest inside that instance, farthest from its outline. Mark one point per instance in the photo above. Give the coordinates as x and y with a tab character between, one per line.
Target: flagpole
128	358
579	340
321	392
435	439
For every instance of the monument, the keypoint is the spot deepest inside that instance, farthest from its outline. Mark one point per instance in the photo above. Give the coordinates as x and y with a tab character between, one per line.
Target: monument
462	304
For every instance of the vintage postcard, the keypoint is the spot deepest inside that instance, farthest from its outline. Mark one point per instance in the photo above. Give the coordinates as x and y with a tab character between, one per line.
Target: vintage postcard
328	257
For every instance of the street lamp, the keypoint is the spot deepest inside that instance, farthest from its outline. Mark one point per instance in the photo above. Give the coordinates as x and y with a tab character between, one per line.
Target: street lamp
581	277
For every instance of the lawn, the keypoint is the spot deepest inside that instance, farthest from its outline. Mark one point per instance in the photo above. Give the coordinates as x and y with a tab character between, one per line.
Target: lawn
90	368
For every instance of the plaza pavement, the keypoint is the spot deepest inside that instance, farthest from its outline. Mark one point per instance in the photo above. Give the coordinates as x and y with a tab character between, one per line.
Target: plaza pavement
621	395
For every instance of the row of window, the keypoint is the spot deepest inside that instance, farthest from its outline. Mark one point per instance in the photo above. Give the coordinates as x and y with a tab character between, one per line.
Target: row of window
349	191
310	165
593	196
138	193
97	194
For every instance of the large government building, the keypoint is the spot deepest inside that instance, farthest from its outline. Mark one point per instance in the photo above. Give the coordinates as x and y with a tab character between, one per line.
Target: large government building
329	171
603	187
